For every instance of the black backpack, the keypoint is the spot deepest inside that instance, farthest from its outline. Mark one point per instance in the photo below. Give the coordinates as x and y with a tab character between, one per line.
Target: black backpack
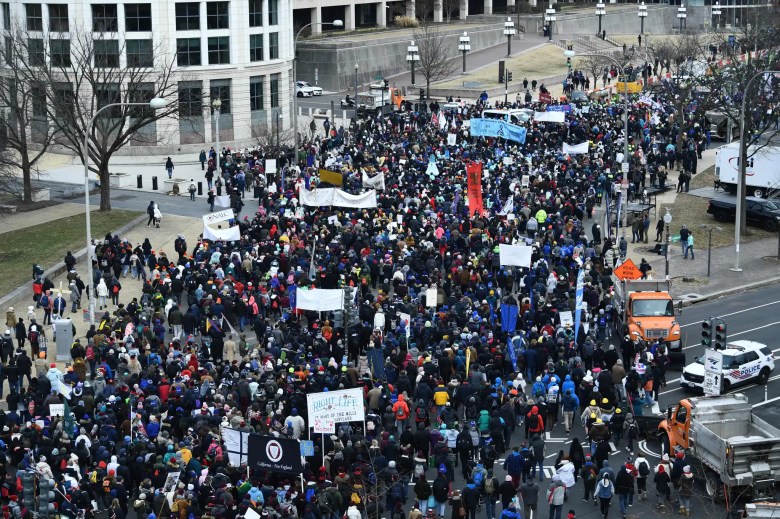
643	469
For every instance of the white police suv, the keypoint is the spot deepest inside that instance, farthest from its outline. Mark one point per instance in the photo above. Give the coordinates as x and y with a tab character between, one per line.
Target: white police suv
743	362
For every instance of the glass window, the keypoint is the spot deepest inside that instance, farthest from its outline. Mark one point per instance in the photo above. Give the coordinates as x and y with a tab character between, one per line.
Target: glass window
34	17
36	53
273	45
104	18
255	13
275	78
58	18
106	53
64	99
190	99
653	308
217	15
273	12
138	17
219	50
140	53
682	414
220	89
108	94
141	93
7	16
60	53
256	94
256	47
188	16
8	50
188	52
39	101
750	356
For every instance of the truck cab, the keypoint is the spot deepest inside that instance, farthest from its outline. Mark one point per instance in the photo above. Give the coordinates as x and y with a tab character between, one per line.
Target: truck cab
646	311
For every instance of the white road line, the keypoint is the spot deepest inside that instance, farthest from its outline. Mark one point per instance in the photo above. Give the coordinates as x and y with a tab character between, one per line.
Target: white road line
734	313
776	377
739	333
766	402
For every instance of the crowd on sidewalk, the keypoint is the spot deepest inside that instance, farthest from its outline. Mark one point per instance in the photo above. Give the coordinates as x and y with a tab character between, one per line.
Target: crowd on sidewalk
451	385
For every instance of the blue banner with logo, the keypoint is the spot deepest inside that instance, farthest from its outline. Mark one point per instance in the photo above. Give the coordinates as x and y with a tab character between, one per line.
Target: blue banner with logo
512	353
481	127
508	317
558	108
578	294
292	293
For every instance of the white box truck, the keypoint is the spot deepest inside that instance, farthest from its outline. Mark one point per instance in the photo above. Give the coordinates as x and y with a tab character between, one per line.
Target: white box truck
762	171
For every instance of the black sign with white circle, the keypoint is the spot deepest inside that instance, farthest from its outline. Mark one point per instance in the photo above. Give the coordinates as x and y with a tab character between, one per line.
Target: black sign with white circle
276	454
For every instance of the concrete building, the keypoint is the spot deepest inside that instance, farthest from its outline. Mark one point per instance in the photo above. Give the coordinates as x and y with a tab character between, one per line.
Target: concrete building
237	51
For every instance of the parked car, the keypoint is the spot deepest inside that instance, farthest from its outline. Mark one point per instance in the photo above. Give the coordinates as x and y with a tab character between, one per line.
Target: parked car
578	96
301	90
317	91
760	212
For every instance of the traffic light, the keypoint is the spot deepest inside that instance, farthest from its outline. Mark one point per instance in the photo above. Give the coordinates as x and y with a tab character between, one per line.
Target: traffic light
45	498
706	333
422	94
350	308
28	489
508	77
721	336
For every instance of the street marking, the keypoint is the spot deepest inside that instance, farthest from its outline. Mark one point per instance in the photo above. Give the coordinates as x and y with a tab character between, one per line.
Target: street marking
739	333
734	313
766	402
643	447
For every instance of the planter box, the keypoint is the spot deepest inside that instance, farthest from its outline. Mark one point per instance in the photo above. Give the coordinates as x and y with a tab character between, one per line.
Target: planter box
120	180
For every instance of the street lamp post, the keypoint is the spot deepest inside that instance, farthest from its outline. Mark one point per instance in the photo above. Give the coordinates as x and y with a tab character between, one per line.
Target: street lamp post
642	16
464	45
509	31
216	104
357	67
600	11
412	56
549	17
667	223
716	13
155	104
682	14
742	165
334	23
279	118
709	230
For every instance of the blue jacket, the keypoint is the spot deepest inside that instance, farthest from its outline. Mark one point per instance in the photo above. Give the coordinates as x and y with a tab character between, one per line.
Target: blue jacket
513	464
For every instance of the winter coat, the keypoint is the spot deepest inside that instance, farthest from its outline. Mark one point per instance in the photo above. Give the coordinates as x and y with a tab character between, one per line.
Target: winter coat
566	473
556	493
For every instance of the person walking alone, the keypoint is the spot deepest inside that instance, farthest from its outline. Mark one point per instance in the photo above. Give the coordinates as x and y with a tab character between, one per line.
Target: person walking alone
689	246
604	492
150	212
169	167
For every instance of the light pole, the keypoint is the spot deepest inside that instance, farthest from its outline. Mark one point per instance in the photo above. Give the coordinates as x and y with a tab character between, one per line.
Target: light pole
155	104
642	16
742	166
279	118
667	223
334	23
709	230
716	13
217	106
509	31
412	56
549	17
682	14
601	10
625	165
356	86
464	45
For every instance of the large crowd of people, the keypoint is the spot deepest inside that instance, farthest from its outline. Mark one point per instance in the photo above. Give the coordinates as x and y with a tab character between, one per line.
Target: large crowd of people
477	376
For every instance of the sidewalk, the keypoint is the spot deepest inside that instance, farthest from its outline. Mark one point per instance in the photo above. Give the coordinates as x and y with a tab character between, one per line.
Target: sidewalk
16	221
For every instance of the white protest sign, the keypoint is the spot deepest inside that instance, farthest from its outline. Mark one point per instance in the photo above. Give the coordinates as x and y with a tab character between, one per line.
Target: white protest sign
56	409
567	319
332	407
219	216
451	139
515	255
432	169
270	166
431	295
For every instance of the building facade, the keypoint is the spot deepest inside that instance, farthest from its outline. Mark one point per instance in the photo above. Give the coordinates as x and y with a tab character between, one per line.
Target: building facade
237	51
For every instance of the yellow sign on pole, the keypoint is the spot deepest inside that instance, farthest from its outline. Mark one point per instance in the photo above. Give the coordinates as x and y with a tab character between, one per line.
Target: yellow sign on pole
331	177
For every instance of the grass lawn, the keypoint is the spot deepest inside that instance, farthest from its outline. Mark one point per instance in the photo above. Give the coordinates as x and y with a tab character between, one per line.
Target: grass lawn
46	244
539	63
692	211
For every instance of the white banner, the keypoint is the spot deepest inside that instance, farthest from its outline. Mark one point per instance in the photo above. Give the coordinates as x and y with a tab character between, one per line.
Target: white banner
567	318
236	445
320	299
332	407
549	117
229	234
222	201
56	409
338	198
452	139
515	255
219	216
575	149
431	295
376	182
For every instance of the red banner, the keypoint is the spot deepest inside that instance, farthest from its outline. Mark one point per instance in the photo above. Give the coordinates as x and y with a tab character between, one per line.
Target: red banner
474	174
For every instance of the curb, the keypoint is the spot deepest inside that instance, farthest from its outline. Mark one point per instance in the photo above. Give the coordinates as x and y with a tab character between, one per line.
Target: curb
729	291
59	267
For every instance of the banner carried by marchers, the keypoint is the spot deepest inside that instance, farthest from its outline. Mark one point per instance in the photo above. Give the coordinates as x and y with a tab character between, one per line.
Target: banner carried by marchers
275	454
474	174
332	407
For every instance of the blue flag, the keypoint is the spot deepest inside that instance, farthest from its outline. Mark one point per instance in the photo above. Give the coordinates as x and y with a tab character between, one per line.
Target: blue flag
578	301
512	352
508	317
292	291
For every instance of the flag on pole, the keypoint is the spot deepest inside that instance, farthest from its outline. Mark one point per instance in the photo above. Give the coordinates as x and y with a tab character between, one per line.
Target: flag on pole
578	301
474	174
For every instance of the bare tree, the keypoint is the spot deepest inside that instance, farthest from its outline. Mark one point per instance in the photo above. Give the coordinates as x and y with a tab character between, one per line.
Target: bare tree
594	65
82	74
26	134
435	63
449	7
